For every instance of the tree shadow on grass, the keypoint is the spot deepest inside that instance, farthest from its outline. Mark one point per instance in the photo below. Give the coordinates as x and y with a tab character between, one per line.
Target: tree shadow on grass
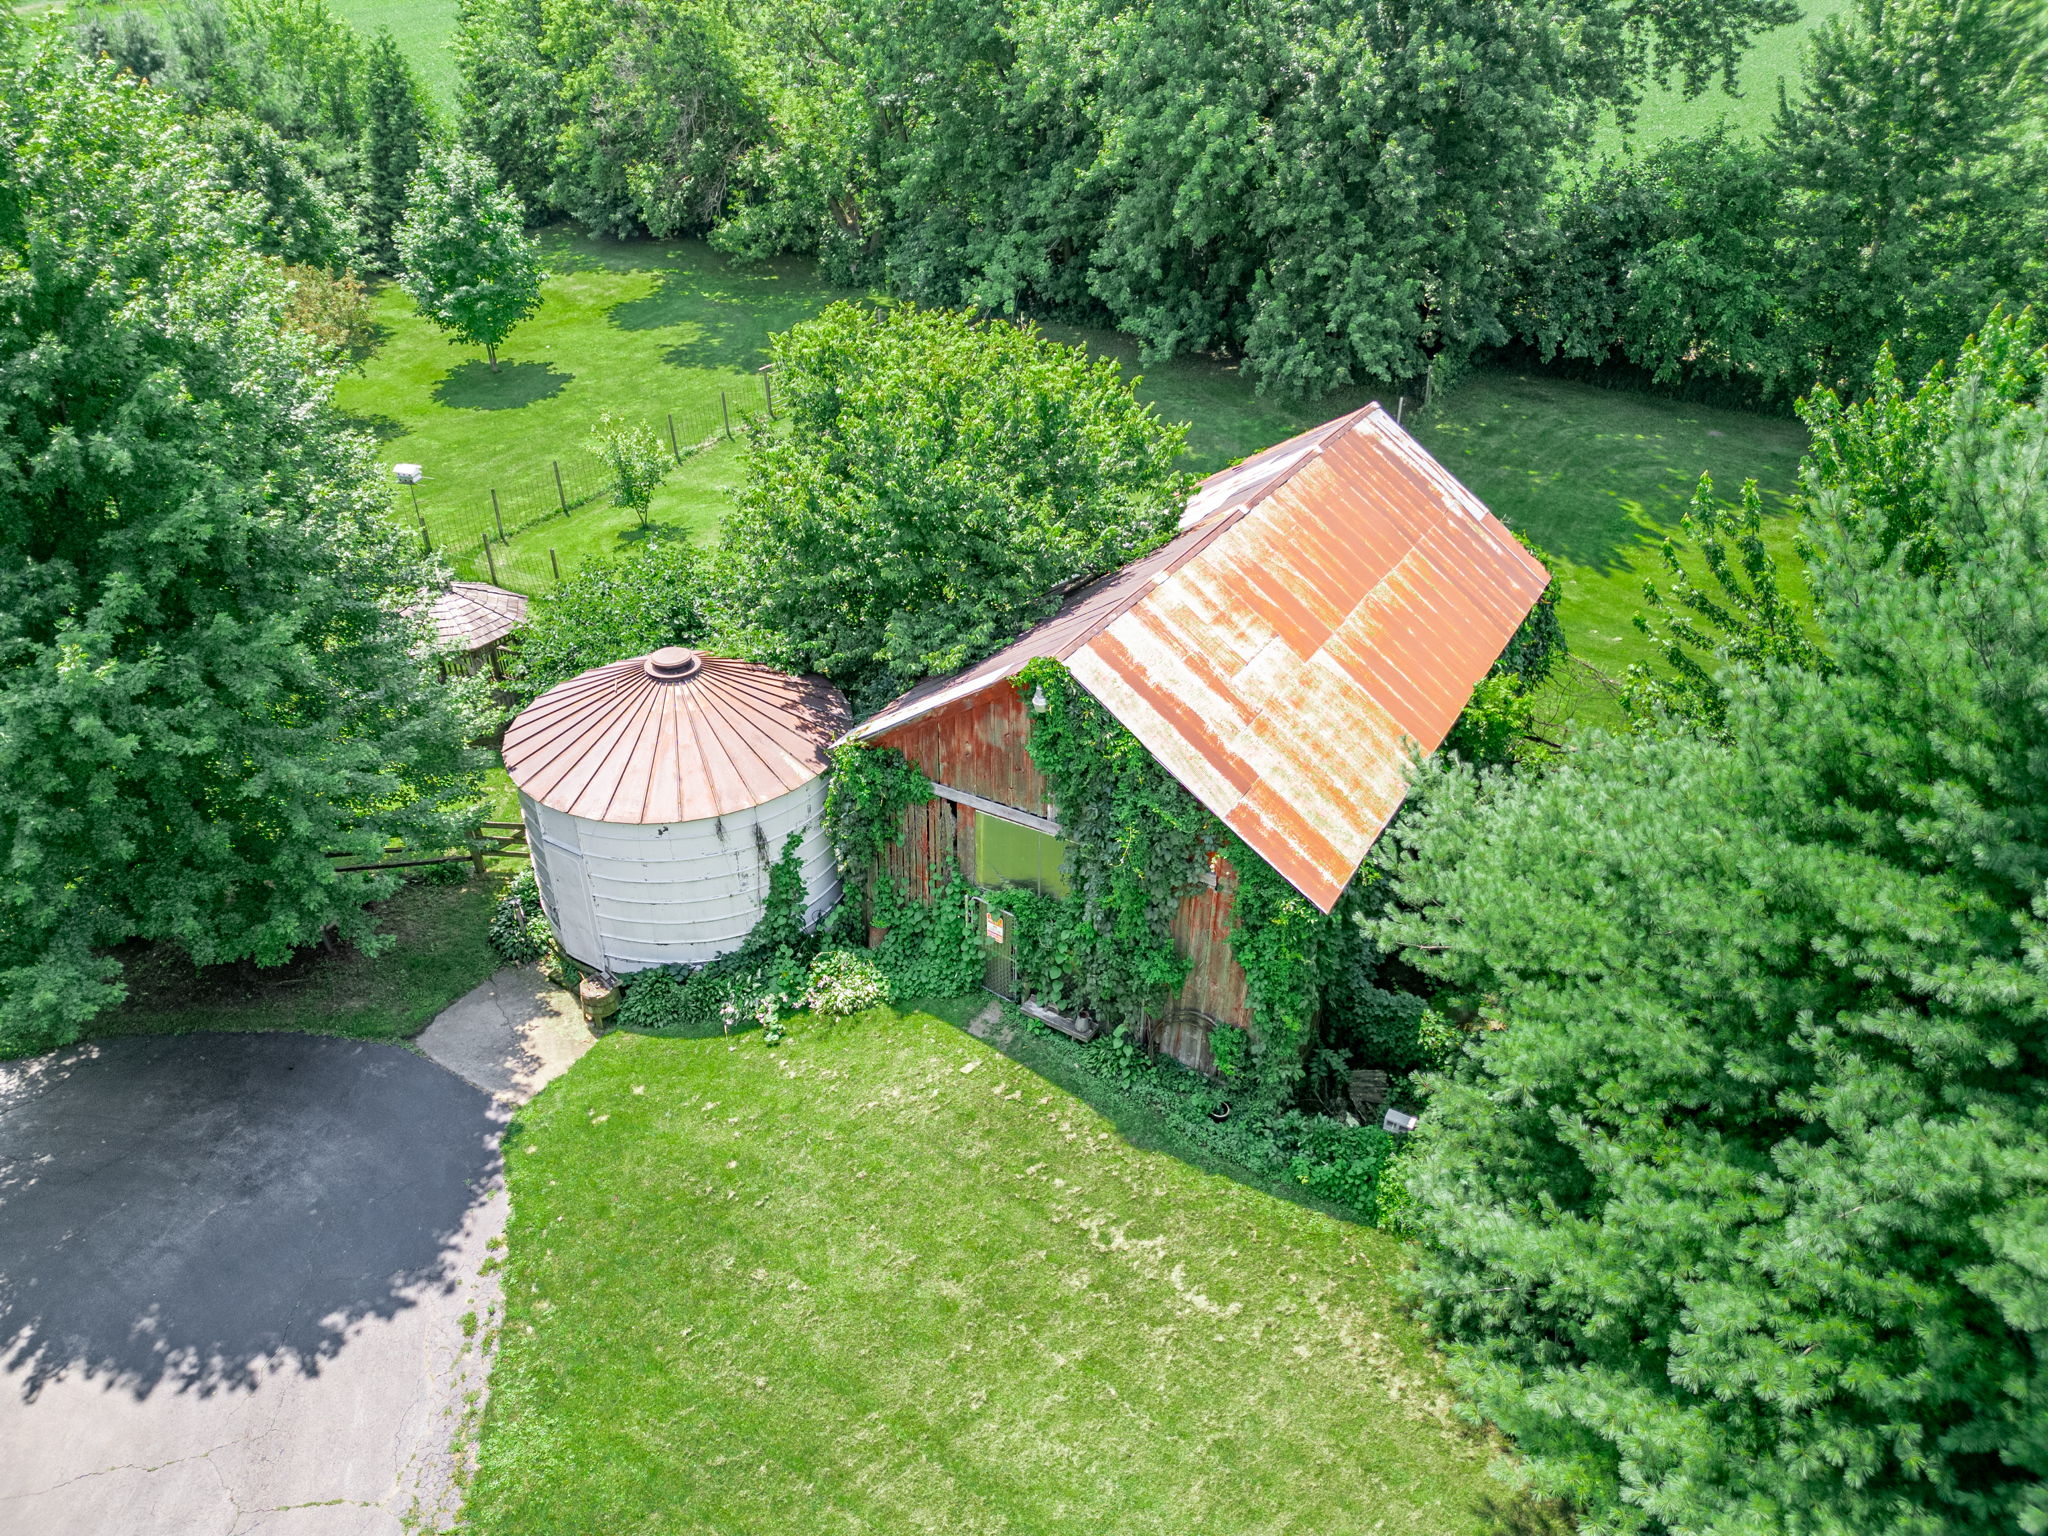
473	387
1517	1514
727	316
381	427
1597	476
654	531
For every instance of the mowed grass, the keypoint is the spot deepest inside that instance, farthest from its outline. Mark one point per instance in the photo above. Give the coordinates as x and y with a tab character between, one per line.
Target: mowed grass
421	28
883	1279
1772	60
439	951
644	330
1596	477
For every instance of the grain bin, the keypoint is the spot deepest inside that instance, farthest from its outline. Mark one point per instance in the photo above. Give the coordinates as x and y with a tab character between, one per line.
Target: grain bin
656	792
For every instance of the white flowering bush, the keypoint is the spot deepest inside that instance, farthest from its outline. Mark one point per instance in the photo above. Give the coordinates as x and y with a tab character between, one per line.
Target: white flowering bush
845	982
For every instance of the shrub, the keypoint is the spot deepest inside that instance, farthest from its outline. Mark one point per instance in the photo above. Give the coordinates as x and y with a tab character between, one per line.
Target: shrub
845	982
519	929
1340	1163
333	310
731	992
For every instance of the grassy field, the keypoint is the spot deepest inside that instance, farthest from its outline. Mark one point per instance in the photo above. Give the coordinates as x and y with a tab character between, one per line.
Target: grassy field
1594	476
644	330
882	1279
1774	57
439	952
421	28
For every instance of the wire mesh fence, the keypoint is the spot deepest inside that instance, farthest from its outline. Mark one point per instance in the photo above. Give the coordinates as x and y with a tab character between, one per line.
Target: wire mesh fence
477	528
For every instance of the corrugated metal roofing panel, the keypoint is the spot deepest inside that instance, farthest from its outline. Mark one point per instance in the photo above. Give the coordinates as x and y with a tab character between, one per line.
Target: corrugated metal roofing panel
1327	611
672	737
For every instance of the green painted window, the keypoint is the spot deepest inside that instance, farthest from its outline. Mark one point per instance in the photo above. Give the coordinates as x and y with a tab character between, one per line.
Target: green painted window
1008	854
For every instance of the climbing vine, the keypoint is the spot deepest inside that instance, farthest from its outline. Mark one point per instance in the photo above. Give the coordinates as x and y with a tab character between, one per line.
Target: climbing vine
928	949
870	789
1139	844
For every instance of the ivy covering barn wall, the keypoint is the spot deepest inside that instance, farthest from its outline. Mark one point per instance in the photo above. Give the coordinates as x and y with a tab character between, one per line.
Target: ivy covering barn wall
1139	844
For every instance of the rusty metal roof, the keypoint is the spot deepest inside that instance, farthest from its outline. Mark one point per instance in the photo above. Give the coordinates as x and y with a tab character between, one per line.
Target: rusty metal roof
472	614
1330	603
674	736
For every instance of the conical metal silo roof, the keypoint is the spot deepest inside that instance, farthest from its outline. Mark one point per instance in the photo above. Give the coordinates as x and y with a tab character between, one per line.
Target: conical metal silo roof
672	737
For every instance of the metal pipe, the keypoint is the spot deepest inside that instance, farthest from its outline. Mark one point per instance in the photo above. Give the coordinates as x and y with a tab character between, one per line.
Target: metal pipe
499	516
489	561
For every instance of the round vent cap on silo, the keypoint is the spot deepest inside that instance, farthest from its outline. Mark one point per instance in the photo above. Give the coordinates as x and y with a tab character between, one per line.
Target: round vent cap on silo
676	736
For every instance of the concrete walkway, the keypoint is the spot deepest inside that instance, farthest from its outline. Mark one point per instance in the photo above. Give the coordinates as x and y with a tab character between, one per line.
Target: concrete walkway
241	1288
511	1037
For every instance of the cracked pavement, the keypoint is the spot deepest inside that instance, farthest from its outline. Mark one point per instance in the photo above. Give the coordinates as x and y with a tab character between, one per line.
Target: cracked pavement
234	1277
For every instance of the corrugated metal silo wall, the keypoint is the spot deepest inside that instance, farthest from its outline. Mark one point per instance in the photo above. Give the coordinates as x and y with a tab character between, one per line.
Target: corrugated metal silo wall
979	746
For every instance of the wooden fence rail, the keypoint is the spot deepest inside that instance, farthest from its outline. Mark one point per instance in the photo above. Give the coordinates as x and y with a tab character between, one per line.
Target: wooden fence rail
494	840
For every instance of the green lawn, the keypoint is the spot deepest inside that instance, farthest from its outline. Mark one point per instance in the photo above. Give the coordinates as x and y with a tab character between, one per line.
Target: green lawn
421	28
645	330
1774	57
883	1279
439	951
1595	476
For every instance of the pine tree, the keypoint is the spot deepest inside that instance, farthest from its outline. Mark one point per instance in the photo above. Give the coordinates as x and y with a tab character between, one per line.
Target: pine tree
204	685
468	263
1735	1214
396	136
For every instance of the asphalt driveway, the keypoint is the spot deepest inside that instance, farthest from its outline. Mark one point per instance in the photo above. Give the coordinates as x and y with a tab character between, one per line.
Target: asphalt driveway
235	1274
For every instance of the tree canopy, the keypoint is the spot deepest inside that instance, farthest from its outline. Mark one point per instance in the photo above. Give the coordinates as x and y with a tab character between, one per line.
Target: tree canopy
1892	205
619	606
1733	1213
468	262
205	684
1327	190
932	483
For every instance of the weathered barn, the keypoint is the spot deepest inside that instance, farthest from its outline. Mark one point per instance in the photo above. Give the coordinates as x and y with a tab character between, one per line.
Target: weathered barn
1327	607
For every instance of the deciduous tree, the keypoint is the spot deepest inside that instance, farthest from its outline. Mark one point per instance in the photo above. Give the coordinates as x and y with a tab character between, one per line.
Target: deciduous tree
205	687
1913	162
468	262
932	483
634	460
295	218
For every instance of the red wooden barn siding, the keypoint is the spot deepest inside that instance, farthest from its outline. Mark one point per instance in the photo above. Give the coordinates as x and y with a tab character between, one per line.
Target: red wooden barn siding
978	745
932	833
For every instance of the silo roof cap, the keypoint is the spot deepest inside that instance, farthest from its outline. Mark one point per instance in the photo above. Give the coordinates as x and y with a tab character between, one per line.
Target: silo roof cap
673	736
